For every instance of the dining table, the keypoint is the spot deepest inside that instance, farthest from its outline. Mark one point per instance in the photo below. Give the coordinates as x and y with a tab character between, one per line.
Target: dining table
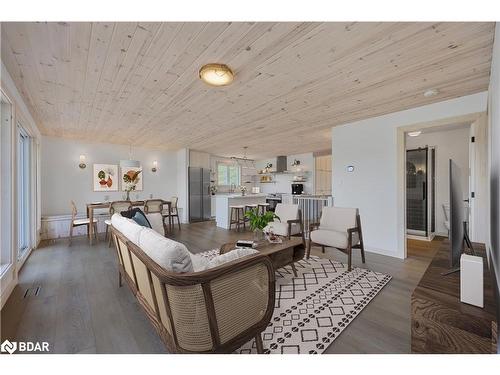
140	203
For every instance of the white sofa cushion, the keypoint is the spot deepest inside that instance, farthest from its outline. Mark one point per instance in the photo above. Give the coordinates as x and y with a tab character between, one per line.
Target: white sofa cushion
201	263
128	227
338	218
169	254
333	238
156	221
281	229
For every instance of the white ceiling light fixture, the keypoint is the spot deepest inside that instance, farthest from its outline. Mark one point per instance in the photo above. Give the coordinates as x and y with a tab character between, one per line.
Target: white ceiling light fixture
130	163
216	74
431	92
415	133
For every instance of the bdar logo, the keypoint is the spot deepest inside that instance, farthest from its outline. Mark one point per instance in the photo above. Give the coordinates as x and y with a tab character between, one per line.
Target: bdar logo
8	347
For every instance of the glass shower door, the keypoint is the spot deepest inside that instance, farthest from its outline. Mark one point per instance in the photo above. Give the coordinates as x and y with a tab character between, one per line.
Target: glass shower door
416	192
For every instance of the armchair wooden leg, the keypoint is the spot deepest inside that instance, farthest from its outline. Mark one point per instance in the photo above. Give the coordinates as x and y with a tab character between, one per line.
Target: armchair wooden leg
178	221
119	279
308	252
258	343
362	248
70	233
349	259
322	249
294	270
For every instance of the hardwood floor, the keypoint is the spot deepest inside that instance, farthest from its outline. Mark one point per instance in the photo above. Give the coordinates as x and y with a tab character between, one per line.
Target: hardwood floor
79	308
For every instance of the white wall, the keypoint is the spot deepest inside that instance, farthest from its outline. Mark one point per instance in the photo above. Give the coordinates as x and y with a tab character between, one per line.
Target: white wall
449	144
62	180
375	147
284	181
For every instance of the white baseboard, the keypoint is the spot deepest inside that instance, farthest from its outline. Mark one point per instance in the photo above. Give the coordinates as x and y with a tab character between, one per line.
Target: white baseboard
54	227
57	226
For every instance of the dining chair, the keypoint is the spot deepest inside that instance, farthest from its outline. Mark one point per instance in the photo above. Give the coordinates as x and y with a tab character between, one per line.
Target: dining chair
114	207
153	206
79	222
174	212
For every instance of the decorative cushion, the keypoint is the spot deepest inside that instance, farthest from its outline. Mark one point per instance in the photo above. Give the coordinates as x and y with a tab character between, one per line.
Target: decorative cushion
230	256
129	213
281	229
141	219
338	218
201	263
333	238
128	227
156	221
169	254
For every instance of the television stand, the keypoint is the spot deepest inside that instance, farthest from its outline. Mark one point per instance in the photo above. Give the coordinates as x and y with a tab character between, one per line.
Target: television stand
440	323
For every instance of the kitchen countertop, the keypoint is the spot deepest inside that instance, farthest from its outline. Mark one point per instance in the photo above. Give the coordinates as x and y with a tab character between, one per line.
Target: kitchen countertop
238	195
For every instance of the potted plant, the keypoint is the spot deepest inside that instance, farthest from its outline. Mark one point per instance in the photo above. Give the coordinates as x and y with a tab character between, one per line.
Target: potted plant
259	221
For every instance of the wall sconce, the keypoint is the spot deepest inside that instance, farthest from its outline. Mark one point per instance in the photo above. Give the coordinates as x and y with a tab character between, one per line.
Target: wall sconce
155	166
82	164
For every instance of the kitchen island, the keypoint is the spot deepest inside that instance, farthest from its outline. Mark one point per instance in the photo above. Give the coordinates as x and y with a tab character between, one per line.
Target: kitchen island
224	201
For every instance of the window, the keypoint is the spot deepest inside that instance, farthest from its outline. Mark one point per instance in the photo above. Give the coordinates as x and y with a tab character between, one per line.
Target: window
24	191
228	174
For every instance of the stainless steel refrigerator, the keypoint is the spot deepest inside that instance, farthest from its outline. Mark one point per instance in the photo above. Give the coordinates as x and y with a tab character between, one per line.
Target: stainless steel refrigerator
199	194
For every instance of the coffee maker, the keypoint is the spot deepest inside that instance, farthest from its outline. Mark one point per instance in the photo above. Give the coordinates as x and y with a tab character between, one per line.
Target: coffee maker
297	189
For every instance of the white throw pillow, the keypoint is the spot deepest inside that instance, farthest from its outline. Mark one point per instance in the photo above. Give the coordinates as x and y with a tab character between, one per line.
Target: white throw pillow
200	263
128	227
156	221
169	254
230	256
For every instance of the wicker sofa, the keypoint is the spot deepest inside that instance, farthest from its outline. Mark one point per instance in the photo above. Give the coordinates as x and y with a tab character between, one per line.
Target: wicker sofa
215	310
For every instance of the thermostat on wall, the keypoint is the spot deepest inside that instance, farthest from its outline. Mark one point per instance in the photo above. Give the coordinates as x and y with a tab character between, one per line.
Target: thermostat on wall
350	168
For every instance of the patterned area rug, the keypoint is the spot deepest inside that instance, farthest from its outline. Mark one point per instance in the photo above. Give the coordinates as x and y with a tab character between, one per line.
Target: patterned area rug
313	309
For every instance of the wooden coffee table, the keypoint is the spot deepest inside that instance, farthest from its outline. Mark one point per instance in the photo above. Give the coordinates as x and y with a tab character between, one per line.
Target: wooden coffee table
281	254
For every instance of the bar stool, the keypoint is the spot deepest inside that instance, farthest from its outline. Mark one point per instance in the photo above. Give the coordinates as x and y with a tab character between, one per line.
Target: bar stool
262	208
237	216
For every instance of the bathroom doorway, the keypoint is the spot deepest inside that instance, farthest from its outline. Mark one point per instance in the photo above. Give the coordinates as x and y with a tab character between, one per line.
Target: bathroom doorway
420	193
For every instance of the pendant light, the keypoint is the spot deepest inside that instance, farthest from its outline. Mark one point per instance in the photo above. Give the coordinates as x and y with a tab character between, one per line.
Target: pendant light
130	163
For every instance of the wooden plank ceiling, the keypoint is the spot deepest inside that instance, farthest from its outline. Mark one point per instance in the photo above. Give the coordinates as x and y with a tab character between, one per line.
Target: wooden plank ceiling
138	82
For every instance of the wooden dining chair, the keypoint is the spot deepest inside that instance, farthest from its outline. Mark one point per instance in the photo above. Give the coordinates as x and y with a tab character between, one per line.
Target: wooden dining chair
174	212
153	206
79	222
115	207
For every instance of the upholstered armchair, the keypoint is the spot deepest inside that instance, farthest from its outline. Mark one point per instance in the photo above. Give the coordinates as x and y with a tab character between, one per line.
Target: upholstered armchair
339	228
289	222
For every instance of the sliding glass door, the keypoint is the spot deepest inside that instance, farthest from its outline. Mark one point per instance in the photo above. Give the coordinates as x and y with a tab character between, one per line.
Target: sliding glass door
23	191
6	184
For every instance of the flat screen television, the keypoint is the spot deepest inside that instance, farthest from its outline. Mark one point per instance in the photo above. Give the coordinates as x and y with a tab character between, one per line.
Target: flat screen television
458	219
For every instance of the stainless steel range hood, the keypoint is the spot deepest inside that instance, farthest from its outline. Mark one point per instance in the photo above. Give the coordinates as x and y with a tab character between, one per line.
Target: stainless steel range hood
281	164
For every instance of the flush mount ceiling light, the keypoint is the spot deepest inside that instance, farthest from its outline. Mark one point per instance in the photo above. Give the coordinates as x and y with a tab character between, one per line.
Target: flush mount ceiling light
431	92
415	134
216	74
